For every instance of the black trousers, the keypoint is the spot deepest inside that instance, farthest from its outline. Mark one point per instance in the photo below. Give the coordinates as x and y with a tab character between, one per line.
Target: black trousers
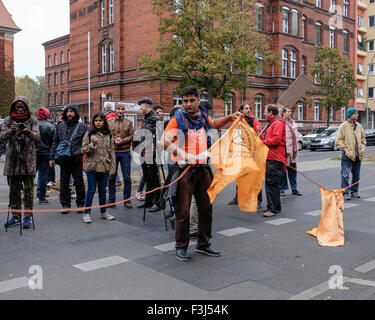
274	170
74	169
152	180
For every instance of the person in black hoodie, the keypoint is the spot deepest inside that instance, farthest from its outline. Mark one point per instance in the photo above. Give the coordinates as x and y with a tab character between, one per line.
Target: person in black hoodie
73	167
43	148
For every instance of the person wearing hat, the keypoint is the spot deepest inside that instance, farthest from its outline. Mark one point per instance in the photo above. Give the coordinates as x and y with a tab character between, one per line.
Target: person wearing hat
148	155
351	140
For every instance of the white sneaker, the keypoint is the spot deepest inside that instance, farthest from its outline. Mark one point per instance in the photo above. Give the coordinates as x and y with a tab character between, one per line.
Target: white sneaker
50	184
86	218
107	216
139	197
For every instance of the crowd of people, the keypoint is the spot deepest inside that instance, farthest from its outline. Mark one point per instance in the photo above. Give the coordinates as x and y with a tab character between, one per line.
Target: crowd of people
38	145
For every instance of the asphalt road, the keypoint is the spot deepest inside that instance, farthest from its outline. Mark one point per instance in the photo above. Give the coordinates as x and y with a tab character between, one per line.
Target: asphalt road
262	258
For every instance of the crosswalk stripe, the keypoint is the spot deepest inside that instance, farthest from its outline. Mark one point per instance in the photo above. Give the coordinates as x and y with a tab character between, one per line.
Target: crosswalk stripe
100	263
13	284
279	221
366	267
234	231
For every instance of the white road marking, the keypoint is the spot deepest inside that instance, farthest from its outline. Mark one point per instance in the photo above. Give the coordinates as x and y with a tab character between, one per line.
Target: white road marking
14	284
372	199
363	282
318	212
366	267
171	246
100	263
280	221
234	231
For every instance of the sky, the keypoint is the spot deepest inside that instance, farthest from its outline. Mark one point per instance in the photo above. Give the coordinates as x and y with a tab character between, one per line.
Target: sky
40	21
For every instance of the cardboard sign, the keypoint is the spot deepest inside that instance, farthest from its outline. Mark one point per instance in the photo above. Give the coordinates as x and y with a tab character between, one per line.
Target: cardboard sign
129	106
295	92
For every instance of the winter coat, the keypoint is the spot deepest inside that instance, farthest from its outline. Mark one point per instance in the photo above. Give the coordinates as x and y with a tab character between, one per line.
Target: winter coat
100	158
47	132
64	131
275	139
21	152
346	138
291	140
122	129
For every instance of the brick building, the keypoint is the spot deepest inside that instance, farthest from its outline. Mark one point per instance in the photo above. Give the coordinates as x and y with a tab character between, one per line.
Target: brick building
8	29
122	31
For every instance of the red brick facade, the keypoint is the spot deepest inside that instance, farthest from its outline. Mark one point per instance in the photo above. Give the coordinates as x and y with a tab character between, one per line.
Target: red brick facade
128	30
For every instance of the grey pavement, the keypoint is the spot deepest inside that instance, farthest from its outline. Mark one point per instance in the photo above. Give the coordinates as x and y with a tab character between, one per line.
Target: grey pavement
262	258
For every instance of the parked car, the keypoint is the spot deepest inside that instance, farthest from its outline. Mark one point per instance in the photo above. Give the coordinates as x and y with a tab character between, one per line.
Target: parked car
370	137
311	135
300	141
325	140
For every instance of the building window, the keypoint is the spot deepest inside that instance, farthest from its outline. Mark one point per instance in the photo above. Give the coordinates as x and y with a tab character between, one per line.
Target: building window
104	58
300	110
56	79
49	80
258	106
284	63
332	37
343	114
332	6
62	77
346	8
371	45
56	99
294	22
177	100
316	110
318	3
371	69
259	17
285	20
111	57
49	100
55	59
345	41
293	63
228	105
62	98
371	93
259	57
62	58
68	76
102	13
360	21
371	21
303	27
69	56
318	33
303	64
111	12
359	93
49	61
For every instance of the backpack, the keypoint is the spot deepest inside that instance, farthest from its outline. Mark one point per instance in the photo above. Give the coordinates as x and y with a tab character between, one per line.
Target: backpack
64	149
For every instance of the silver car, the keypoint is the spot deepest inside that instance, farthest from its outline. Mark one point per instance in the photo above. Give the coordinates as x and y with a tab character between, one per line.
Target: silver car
326	140
311	135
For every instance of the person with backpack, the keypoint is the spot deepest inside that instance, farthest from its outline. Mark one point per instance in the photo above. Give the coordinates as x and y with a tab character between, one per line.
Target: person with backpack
195	124
99	163
69	132
245	109
21	131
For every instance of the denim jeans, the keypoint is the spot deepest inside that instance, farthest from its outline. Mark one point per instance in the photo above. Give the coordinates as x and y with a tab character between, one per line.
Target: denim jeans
42	165
93	179
124	158
292	175
348	166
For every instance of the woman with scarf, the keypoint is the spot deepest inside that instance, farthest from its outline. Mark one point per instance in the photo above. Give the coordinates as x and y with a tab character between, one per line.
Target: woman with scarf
291	154
21	131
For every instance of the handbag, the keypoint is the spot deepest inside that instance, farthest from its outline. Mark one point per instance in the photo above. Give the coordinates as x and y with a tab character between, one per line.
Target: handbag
64	149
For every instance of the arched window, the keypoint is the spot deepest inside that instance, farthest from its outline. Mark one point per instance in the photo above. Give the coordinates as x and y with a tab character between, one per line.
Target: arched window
107	57
111	57
62	58
104	58
69	55
55	59
318	33
289	62
345	41
62	77
49	61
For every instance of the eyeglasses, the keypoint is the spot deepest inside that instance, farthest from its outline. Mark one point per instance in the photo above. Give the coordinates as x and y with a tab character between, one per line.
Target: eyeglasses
187	100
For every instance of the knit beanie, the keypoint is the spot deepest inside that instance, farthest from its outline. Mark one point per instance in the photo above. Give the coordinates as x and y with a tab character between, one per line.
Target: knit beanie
43	114
350	112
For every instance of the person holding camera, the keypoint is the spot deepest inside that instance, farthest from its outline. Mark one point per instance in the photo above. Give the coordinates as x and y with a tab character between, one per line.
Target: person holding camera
21	131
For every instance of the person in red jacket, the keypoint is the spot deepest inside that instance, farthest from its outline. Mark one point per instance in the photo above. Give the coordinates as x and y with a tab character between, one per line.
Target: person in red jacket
275	140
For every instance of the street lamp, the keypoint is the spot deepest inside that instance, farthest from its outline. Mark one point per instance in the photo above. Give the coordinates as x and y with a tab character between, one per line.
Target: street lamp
103	99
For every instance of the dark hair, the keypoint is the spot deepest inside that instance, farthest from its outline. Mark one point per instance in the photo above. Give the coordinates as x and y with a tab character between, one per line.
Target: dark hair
158	107
187	91
105	128
243	104
272	108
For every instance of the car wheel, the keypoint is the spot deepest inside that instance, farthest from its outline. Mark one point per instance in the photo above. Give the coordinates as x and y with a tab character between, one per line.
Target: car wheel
300	145
334	148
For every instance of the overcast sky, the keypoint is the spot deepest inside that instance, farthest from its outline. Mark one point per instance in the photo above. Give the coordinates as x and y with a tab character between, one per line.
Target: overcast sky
40	21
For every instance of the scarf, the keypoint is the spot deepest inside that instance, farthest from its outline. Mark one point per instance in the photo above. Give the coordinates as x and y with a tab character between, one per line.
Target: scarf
20	117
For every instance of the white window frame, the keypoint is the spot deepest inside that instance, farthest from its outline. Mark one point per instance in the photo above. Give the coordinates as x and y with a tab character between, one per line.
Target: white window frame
371	19
294	22
317	26
111	12
316	110
371	69
343	114
56	99
228	105
303	27
259	16
346	8
62	98
111	57
285	22
332	6
300	110
62	77
373	45
318	3
331	37
360	93
49	61
293	63
55	58
62	57
177	100
345	41
258	106
104	58
102	13
259	57
284	62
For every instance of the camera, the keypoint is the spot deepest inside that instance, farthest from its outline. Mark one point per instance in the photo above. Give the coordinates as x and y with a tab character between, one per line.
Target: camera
20	126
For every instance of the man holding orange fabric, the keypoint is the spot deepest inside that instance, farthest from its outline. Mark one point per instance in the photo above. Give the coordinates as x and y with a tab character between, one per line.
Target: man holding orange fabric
185	137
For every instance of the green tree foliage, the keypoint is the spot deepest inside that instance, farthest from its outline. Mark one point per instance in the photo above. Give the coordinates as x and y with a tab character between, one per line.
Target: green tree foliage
211	44
33	90
334	77
6	92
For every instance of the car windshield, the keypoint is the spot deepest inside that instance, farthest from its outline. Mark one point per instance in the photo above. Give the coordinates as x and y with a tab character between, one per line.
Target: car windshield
316	131
327	132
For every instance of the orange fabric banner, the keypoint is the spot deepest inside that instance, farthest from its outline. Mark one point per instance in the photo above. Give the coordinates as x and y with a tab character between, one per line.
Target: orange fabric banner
330	231
239	155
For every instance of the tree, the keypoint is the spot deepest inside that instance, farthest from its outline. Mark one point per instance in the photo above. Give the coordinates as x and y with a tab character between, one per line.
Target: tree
211	44
334	78
33	90
6	88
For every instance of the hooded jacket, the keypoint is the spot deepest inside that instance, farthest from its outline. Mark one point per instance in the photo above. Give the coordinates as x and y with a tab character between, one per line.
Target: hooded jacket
351	142
21	152
47	131
275	139
64	131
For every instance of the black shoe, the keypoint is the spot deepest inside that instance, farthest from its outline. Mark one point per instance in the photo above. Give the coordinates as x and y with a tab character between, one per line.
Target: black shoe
208	250
142	206
80	211
109	201
296	193
233	202
44	201
194	235
154	208
128	204
65	212
181	254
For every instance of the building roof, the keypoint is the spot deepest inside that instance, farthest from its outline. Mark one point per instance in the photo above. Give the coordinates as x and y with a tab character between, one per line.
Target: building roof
6	20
